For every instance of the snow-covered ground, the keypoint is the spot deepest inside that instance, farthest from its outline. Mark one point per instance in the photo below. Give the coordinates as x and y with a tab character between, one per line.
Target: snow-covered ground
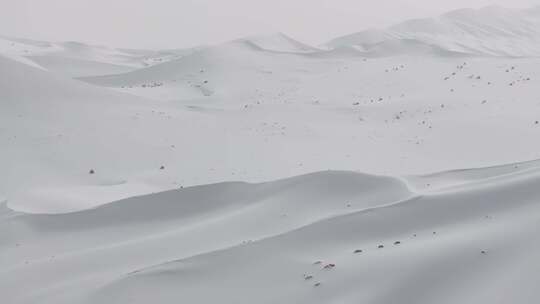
232	173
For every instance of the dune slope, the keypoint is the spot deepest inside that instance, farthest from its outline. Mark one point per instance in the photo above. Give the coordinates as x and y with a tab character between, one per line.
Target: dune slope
319	238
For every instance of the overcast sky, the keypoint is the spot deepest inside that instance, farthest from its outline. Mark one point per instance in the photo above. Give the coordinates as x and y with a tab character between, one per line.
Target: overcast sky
184	23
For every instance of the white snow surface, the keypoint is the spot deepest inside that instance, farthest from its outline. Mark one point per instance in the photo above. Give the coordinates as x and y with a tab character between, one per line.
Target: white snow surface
265	170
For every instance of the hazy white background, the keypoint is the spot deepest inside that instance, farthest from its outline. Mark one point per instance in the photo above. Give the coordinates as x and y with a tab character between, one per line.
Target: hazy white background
183	23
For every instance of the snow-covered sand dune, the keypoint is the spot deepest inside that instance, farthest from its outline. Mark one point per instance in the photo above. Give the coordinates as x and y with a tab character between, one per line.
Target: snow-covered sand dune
490	31
55	130
229	173
271	114
276	242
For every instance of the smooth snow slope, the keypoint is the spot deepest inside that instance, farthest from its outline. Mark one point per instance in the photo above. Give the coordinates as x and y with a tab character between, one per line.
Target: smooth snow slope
270	243
55	130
